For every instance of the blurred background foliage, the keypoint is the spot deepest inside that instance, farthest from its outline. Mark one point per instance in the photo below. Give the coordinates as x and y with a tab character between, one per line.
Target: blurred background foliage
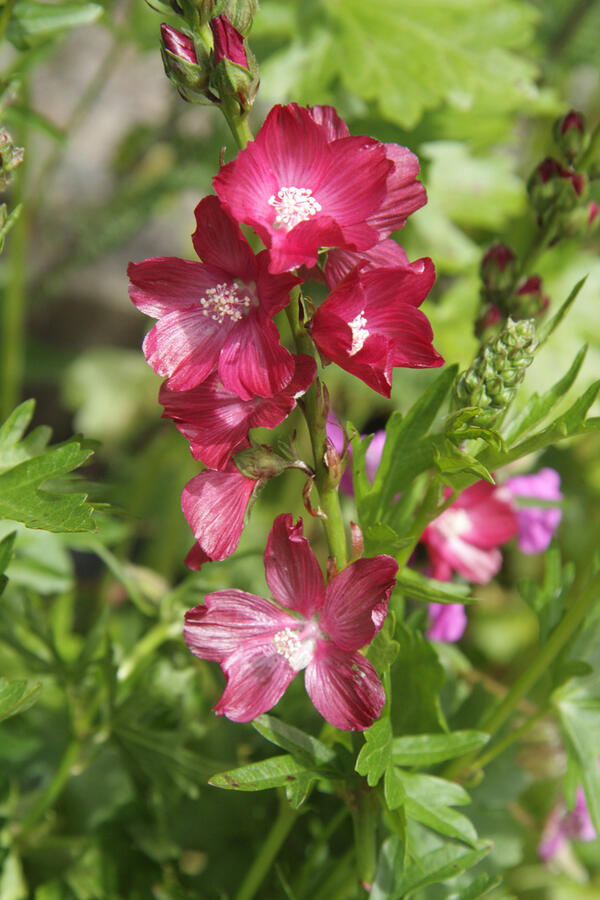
103	788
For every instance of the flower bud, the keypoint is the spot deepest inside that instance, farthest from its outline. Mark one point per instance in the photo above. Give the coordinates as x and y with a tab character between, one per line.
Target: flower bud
188	70
492	380
571	135
235	73
552	186
10	158
260	462
498	268
239	12
529	301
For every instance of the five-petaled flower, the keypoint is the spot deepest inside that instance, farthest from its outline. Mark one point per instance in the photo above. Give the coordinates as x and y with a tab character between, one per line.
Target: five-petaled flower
304	184
215	316
262	644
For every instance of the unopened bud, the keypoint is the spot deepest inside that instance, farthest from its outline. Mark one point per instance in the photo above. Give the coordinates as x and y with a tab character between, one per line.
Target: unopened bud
235	73
185	66
260	462
334	464
553	186
239	12
10	158
571	135
529	300
492	380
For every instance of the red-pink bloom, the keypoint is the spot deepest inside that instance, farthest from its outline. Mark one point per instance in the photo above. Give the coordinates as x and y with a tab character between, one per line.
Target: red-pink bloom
215	504
447	622
215	316
261	644
466	536
228	43
385	254
565	825
304	184
216	421
370	323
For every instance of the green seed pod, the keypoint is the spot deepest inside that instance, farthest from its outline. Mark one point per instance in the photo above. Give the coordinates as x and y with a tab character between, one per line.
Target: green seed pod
492	380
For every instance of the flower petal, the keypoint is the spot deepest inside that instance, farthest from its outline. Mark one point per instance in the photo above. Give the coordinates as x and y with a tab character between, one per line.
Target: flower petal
230	619
185	346
344	688
163	284
257	677
253	361
351	597
403	196
214	504
447	622
219	242
291	569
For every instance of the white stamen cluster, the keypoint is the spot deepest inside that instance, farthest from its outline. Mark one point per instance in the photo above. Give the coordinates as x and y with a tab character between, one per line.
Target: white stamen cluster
298	653
225	301
359	332
293	205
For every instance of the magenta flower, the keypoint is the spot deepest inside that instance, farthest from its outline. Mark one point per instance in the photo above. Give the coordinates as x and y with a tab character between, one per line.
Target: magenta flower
215	316
565	825
216	421
215	505
261	644
370	323
386	254
536	524
466	536
228	43
305	184
447	622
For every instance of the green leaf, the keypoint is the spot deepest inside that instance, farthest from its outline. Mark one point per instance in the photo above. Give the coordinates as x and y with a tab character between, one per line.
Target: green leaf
450	460
376	753
14	448
579	713
382	538
16	697
428	590
33	23
23	497
433	52
553	323
417	678
442	819
277	771
482	885
394	881
383	649
429	749
537	408
6	550
306	749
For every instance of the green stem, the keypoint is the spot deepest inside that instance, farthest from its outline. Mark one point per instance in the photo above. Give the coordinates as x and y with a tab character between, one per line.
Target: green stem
507	741
58	782
547	654
238	123
146	646
312	407
15	300
364	819
268	852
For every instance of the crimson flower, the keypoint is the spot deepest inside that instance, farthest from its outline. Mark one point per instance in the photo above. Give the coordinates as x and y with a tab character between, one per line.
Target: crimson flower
215	315
262	644
215	504
216	421
466	536
385	254
370	323
304	184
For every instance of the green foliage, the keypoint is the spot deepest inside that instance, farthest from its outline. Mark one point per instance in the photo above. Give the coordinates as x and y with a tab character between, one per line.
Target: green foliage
429	749
16	697
417	678
35	23
26	465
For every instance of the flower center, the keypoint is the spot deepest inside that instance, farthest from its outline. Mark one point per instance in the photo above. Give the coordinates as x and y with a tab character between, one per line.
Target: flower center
226	301
359	332
293	205
297	652
453	523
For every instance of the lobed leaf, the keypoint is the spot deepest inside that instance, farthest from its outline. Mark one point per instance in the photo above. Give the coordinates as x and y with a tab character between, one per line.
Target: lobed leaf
375	755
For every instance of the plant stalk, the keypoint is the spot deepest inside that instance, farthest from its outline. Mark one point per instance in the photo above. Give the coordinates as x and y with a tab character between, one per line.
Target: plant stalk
268	852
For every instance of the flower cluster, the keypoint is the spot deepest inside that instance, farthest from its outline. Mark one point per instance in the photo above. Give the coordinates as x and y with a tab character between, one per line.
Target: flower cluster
324	204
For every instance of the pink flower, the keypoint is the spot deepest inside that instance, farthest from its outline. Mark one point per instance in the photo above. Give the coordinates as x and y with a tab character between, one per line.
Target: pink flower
215	316
447	622
370	323
536	524
466	536
216	421
215	505
565	825
372	457
228	43
304	184
261	644
385	254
